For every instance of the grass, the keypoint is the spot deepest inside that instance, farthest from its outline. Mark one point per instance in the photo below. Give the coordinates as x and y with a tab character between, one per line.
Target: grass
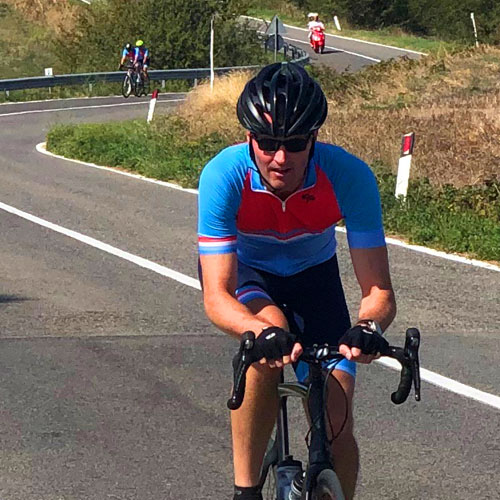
454	197
290	14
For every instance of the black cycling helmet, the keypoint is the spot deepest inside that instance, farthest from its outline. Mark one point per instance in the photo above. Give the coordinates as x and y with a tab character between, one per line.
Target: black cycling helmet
128	46
294	101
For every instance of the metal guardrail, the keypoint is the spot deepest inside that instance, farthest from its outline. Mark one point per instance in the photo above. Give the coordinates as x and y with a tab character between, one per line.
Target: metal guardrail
297	54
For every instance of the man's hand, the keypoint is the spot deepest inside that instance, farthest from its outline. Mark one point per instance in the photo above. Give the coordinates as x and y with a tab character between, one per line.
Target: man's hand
120	67
276	347
362	344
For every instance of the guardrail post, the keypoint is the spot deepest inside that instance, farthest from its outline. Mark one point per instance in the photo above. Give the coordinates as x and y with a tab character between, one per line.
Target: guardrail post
163	84
90	88
195	83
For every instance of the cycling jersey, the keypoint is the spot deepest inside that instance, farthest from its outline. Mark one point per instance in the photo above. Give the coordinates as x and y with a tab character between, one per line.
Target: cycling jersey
129	54
238	214
141	54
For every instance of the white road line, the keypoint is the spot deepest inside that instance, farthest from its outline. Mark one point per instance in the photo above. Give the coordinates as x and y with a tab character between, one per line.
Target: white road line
392	241
427	375
438	253
448	384
348	38
147	264
83	98
41	149
143	103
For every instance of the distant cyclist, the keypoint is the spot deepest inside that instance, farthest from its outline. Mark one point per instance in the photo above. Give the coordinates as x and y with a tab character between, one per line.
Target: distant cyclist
141	56
128	55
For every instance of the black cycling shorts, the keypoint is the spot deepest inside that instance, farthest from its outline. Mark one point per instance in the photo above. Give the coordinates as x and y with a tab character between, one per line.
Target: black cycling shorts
313	297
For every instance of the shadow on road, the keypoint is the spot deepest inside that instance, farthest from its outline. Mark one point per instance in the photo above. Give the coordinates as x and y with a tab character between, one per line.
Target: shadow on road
6	299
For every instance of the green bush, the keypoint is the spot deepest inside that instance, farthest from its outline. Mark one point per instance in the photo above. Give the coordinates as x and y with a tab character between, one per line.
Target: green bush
134	145
463	220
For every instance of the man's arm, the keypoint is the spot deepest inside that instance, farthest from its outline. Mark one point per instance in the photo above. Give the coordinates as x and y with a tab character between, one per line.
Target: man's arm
378	303
223	309
371	266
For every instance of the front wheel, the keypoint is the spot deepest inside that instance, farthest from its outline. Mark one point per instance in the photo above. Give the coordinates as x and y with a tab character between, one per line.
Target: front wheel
328	486
139	85
146	84
268	474
127	86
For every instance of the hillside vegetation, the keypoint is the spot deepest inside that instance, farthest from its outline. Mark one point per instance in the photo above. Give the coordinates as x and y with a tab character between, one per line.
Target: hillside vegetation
450	101
446	19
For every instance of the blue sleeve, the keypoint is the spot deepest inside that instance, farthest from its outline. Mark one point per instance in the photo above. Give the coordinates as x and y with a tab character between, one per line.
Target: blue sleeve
357	193
219	198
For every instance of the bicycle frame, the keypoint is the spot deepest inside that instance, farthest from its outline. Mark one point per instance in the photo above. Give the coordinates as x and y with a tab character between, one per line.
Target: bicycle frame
319	453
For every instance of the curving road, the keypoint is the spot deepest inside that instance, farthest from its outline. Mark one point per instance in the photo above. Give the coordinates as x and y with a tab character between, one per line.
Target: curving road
114	383
341	53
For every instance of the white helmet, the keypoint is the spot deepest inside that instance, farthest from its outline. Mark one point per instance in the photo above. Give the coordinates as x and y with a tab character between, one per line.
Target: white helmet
312	15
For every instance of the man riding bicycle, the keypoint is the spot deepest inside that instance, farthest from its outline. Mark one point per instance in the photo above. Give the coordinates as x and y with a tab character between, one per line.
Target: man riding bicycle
141	56
267	215
127	55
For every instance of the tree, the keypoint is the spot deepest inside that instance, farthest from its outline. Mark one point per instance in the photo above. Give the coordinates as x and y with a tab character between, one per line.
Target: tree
176	32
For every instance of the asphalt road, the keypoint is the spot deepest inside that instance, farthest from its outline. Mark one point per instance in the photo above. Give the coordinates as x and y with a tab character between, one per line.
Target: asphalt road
341	53
114	383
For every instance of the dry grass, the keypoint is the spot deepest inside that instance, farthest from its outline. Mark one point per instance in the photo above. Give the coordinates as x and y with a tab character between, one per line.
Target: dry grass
451	102
208	111
54	14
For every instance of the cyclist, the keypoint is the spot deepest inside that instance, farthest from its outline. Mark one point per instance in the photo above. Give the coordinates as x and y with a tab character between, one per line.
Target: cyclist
127	55
314	23
267	214
141	56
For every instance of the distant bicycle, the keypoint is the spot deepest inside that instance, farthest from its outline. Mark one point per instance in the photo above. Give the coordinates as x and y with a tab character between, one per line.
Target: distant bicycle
135	81
141	81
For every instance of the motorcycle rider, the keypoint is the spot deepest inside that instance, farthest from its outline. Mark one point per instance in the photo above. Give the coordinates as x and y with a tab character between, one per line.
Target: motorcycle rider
314	23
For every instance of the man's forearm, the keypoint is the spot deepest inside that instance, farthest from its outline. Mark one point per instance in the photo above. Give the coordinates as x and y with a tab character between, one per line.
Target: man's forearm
232	317
380	306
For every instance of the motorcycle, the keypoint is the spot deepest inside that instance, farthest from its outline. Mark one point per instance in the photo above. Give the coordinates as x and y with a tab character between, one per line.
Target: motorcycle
318	40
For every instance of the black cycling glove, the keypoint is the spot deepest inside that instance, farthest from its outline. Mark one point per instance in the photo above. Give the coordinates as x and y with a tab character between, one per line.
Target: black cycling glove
362	337
273	343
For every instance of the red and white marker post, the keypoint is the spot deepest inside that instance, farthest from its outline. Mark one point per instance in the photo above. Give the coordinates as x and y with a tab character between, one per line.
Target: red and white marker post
152	105
404	165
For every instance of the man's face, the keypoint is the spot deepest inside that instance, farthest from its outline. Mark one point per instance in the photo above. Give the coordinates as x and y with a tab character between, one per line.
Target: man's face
282	170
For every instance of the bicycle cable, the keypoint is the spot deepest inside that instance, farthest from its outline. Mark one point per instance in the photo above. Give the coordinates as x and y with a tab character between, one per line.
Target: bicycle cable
325	395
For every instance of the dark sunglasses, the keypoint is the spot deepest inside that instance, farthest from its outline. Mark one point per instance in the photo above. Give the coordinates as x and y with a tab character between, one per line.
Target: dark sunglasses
291	144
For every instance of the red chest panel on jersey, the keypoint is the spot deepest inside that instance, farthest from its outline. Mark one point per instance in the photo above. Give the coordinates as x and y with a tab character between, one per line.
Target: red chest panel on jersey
310	210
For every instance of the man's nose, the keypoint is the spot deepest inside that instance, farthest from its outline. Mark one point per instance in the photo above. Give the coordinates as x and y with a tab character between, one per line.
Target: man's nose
281	155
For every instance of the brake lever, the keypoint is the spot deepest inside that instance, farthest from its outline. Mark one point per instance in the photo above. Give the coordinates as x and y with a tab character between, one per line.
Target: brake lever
412	345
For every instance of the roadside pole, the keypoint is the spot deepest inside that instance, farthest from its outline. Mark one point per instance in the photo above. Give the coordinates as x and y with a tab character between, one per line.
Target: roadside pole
152	105
212	76
404	165
474	26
